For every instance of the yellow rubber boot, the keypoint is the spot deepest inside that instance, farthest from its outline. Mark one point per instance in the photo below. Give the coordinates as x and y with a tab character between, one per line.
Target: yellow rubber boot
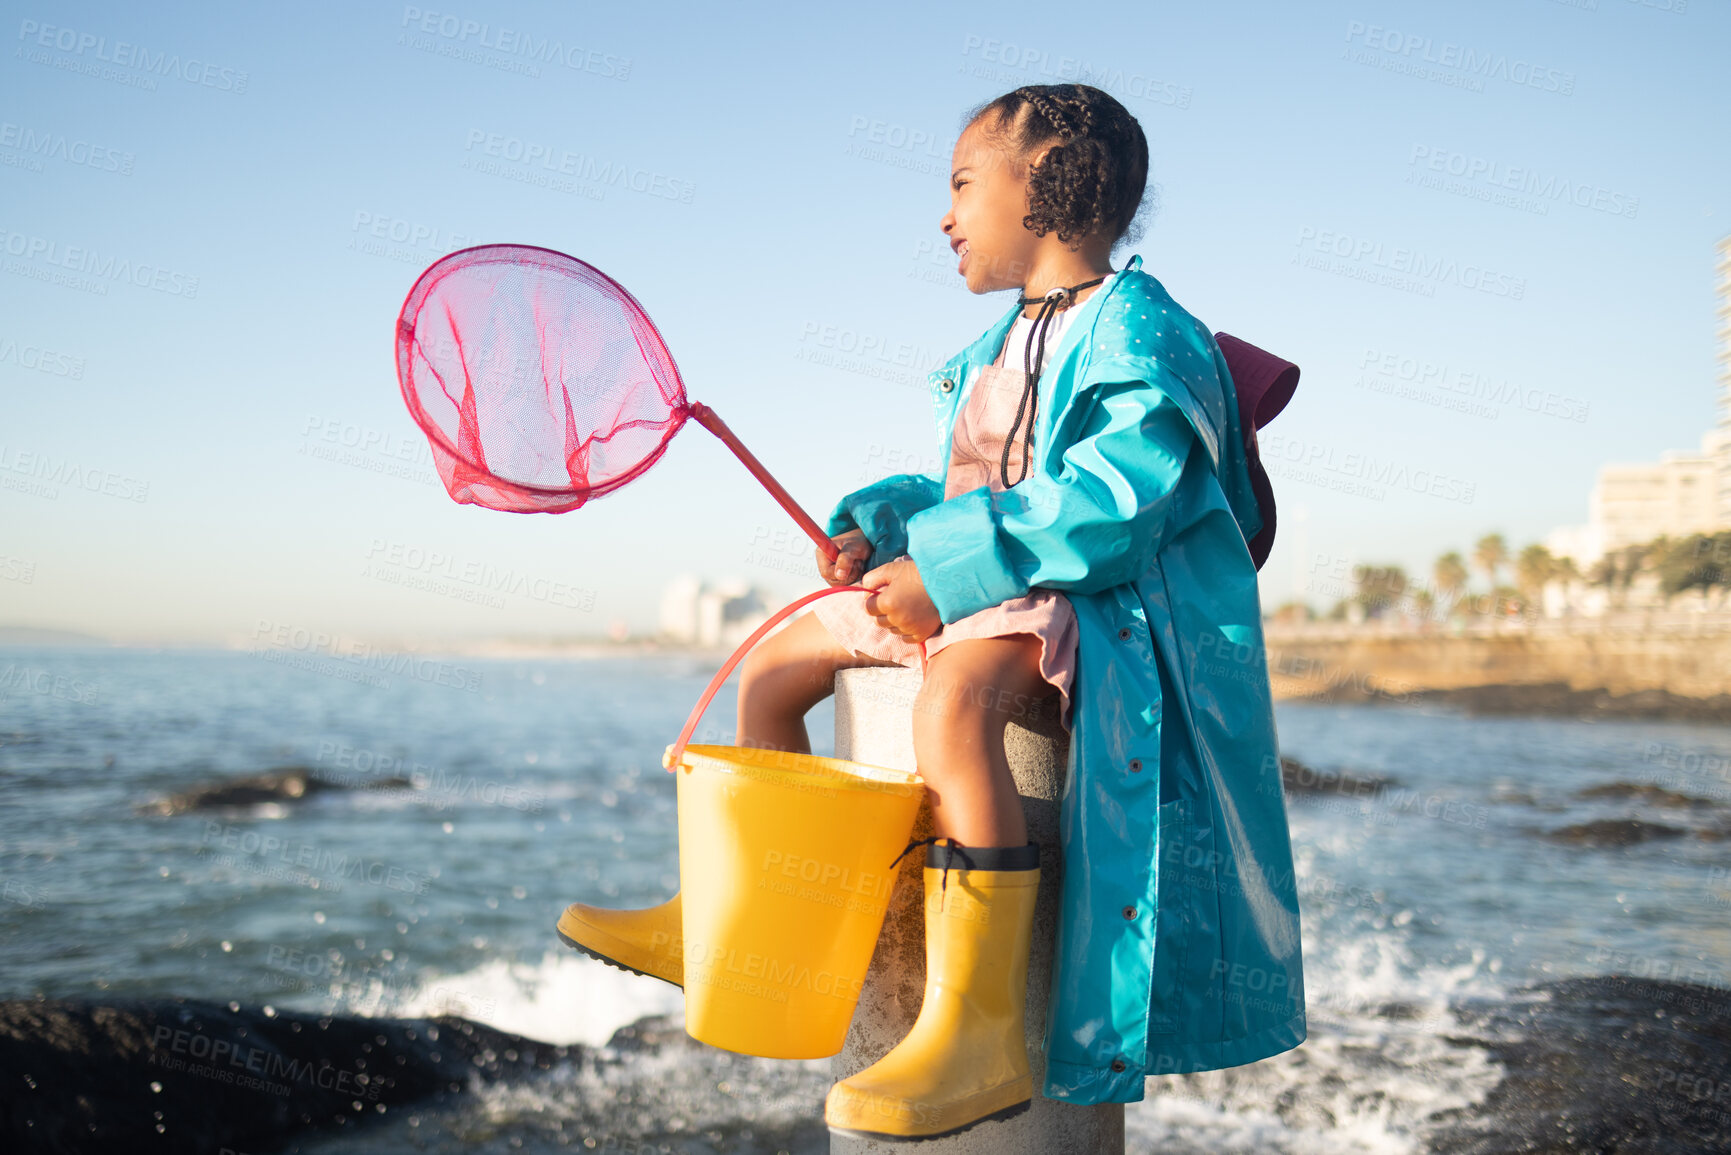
648	942
965	1060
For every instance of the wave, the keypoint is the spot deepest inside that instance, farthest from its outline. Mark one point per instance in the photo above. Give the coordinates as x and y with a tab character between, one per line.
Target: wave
1385	1064
564	998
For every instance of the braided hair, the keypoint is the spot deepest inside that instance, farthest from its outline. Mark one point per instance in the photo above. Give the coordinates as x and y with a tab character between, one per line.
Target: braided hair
1094	178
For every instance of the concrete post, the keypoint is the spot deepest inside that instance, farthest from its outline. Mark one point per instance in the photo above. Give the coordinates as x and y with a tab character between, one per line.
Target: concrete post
874	724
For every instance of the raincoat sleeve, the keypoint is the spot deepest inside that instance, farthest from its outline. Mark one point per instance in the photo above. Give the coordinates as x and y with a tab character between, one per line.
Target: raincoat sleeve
881	511
1097	521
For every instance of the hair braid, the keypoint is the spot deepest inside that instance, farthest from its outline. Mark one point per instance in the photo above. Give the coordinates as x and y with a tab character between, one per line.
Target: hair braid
1093	179
1047	107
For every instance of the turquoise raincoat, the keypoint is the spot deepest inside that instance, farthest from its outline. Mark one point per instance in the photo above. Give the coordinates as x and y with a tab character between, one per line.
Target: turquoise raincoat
1178	935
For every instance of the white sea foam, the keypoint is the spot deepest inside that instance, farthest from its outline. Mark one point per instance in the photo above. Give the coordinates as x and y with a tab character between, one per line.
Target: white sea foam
564	998
1375	1075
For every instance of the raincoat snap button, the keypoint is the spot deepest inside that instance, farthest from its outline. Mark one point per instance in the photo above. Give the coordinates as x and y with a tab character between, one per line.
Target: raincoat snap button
946	384
1124	634
1135	765
1129	912
1118	1064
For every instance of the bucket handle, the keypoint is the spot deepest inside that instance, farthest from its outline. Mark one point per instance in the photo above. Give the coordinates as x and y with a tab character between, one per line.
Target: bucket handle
671	757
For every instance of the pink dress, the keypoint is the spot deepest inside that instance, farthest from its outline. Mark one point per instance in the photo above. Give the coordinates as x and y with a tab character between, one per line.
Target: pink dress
976	451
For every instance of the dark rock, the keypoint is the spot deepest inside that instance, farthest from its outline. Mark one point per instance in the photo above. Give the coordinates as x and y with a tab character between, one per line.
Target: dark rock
1298	778
176	1075
288	784
1560	699
1613	832
1611	1064
651	1034
1643	792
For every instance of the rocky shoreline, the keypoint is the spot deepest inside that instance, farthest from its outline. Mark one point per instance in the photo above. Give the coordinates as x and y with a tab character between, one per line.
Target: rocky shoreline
1614	1063
1657	669
1547	699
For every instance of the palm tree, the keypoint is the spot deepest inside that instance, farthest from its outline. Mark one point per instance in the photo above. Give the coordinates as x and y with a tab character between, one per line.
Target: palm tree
1378	588
1450	577
1533	568
1491	553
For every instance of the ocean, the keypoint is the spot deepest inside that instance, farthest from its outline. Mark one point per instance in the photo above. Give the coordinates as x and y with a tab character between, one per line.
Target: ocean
471	799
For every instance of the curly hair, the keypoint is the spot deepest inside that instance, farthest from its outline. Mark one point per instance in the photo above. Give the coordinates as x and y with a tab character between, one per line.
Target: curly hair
1093	180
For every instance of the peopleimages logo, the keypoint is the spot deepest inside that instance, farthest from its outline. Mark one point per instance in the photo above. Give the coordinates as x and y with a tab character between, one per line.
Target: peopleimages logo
481	577
1118	81
1302	460
55	471
261	1068
1369	259
1423	56
41	359
103	267
86	52
1496	177
511	42
329	864
591	170
43	144
352	659
1472	385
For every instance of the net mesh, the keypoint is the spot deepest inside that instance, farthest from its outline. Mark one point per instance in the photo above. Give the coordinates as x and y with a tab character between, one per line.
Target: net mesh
539	381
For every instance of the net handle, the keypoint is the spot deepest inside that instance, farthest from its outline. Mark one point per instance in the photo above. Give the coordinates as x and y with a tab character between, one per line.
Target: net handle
711	420
672	756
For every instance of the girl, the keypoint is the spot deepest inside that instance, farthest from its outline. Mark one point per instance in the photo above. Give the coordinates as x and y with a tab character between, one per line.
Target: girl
1088	539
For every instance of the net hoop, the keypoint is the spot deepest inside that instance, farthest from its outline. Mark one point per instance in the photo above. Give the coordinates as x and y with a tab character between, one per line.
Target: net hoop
550	499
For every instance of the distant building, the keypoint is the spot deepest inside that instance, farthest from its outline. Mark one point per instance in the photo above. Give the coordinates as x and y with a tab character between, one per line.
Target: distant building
1676	497
695	612
1723	333
679	608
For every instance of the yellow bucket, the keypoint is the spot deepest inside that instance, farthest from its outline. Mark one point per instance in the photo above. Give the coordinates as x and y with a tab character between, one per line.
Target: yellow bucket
784	872
785	875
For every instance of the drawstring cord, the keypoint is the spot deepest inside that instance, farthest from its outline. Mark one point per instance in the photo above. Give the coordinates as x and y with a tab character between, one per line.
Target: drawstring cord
1059	297
955	849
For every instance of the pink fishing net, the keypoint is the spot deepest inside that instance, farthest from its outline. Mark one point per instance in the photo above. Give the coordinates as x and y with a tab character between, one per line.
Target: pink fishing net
538	379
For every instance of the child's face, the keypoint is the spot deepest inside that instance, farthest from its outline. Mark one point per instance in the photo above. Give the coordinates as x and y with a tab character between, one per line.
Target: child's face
988	199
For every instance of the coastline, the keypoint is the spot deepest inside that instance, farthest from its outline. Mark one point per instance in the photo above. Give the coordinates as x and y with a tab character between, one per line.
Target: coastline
1663	667
1651	666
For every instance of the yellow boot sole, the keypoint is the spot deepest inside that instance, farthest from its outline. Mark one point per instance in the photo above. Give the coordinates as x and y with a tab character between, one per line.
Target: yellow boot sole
853	1111
647	942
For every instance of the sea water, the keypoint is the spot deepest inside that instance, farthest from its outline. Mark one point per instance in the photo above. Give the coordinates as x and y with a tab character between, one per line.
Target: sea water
531	784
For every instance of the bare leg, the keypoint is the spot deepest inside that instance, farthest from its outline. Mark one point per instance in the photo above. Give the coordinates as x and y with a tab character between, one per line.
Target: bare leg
972	690
784	677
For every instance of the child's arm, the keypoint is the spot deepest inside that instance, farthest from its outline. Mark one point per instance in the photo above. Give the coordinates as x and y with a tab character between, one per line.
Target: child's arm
881	511
1097	524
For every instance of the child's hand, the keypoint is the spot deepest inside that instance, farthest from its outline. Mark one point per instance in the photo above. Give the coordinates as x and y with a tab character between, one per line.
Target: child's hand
856	553
899	602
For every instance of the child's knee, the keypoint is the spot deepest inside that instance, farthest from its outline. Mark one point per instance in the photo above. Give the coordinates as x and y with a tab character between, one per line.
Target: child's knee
970	670
783	676
964	697
764	671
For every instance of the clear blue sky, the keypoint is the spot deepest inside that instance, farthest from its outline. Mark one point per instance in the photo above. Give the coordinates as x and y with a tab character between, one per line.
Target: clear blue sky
792	162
